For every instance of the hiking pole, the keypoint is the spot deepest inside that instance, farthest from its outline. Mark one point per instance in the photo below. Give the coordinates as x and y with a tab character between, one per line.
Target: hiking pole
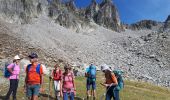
49	86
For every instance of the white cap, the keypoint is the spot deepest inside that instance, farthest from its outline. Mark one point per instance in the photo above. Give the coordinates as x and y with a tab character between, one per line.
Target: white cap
16	57
105	67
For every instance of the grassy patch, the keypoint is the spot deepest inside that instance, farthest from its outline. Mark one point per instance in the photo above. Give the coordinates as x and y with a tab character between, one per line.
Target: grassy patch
132	90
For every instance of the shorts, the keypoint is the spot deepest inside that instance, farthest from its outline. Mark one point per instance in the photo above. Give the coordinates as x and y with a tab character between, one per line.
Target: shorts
91	83
33	90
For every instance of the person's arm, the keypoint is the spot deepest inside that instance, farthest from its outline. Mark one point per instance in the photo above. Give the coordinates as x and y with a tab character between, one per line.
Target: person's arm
41	79
86	74
114	79
9	68
74	86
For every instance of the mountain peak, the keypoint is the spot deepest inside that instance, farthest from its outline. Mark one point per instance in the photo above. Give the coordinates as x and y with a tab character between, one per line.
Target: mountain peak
167	23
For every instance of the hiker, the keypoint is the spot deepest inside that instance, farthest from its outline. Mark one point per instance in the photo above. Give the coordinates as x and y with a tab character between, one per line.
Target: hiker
110	83
34	78
14	69
68	83
91	80
56	75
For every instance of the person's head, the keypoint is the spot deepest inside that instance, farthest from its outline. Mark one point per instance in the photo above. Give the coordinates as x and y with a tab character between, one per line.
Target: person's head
67	68
33	58
105	68
16	59
56	66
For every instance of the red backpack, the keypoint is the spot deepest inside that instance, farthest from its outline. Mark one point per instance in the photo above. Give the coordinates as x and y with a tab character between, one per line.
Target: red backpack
57	74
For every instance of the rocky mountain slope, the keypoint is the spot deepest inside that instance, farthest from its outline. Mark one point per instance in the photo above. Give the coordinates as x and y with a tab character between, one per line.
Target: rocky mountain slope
80	36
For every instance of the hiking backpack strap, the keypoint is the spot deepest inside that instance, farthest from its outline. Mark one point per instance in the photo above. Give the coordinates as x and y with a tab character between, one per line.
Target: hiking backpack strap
37	68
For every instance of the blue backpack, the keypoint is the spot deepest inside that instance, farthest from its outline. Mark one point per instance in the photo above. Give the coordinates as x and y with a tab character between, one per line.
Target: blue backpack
118	74
92	72
37	68
7	74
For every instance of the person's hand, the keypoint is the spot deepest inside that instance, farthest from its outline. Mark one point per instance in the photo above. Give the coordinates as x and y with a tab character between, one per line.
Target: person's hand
74	92
41	90
24	89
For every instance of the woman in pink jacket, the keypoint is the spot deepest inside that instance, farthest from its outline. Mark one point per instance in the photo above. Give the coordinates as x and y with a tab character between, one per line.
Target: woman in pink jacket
14	69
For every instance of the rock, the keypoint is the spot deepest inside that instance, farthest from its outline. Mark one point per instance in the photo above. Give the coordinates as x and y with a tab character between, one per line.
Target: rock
144	24
108	16
167	23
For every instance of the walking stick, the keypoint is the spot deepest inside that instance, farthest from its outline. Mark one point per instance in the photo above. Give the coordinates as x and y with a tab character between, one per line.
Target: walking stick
49	85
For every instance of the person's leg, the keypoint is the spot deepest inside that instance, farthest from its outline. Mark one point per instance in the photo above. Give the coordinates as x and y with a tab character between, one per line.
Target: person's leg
55	88
10	89
36	89
116	95
94	89
29	92
65	96
58	98
109	93
88	89
15	88
72	96
108	96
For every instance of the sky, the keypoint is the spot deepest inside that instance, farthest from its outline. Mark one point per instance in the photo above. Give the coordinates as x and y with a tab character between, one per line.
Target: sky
131	11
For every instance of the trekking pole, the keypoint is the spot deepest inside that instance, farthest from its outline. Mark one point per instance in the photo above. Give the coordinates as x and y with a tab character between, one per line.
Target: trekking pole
49	85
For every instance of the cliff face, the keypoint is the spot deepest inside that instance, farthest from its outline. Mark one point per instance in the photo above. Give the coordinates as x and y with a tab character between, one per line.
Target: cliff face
105	14
167	23
20	11
66	14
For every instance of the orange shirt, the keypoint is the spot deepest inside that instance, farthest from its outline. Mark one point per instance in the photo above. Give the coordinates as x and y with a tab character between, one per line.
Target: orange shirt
32	76
111	80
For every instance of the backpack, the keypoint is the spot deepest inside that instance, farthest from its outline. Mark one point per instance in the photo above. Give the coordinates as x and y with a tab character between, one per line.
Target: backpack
57	75
37	68
7	74
92	72
118	74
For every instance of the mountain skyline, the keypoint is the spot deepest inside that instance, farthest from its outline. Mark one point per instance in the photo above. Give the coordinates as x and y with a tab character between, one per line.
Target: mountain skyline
131	11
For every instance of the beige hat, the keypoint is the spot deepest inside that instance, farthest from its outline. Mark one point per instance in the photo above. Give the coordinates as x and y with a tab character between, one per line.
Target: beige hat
17	57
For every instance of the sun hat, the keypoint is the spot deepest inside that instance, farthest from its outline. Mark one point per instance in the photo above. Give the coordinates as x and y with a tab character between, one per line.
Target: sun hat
33	55
17	57
105	67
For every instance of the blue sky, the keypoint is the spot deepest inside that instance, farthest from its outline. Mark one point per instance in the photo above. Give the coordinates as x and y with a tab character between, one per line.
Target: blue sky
131	11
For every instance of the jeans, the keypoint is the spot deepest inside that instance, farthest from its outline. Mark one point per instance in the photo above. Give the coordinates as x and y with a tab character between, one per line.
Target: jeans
111	93
12	89
66	95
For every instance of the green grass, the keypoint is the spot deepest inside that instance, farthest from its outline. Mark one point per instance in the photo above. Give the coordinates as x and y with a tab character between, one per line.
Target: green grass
132	90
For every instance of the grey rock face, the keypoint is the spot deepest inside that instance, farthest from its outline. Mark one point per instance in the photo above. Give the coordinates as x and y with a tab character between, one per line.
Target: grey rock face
107	16
20	11
167	23
144	24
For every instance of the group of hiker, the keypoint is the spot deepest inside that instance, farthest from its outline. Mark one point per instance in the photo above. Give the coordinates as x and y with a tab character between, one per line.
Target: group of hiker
64	82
